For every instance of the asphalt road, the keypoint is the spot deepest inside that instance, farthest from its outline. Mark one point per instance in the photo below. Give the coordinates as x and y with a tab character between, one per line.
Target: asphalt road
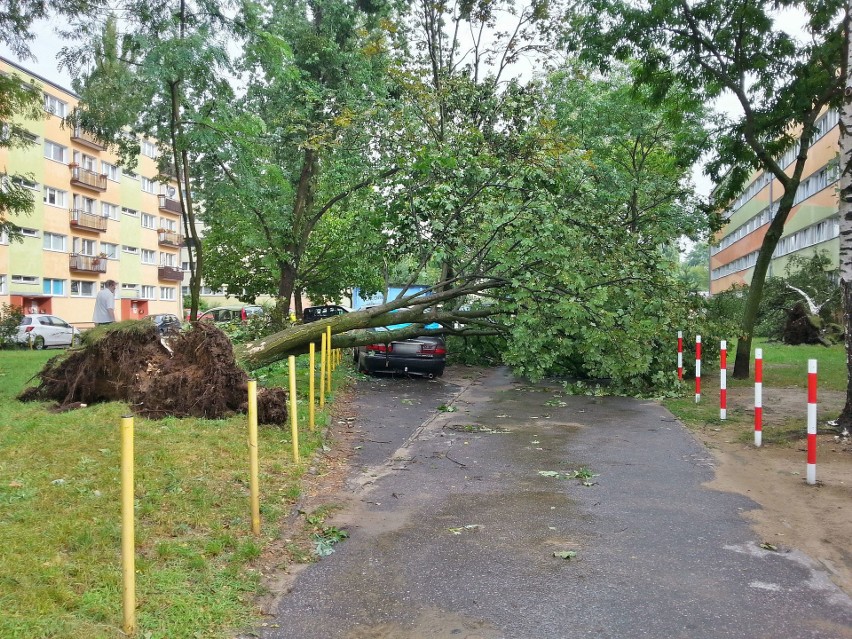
454	528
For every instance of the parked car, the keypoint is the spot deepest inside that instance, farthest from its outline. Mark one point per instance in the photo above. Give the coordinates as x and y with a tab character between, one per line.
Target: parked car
314	313
43	331
425	355
166	323
230	313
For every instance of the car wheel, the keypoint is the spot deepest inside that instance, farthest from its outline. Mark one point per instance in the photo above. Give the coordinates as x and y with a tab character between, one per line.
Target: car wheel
38	343
76	340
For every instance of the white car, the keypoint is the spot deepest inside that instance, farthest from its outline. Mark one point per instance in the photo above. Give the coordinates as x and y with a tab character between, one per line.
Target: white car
43	331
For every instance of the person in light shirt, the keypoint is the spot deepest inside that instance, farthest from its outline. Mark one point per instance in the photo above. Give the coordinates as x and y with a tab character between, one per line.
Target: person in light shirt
105	304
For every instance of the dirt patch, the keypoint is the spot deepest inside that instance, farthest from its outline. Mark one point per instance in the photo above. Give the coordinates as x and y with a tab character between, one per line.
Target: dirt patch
814	519
322	487
193	374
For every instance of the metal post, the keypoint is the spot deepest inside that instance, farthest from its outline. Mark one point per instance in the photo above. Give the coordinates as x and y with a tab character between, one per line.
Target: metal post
254	470
311	389
294	420
128	544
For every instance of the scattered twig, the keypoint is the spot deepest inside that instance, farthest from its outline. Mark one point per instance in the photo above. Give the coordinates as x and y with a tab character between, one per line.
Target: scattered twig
447	455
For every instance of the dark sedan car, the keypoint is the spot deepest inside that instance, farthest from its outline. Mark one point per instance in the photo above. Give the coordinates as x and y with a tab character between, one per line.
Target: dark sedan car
425	355
314	313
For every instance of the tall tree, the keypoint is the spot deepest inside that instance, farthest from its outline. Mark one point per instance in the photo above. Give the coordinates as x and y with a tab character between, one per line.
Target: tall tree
313	143
161	71
781	82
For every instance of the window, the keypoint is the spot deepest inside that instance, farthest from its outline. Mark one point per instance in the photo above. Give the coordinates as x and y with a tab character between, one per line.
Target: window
3	285
52	287
184	266
54	105
109	210
111	171
167	293
148	221
29	232
133	250
82	246
148	185
149	293
185	290
54	151
83	203
132	175
130	290
130	212
24	279
4	237
110	250
55	197
54	242
149	257
86	161
80	288
17	180
149	149
167	259
167	224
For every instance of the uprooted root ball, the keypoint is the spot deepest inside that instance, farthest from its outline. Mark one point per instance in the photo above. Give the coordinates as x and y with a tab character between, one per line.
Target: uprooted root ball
128	362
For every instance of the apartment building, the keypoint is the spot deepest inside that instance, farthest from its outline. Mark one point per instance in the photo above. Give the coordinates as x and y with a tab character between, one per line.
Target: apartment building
92	221
813	225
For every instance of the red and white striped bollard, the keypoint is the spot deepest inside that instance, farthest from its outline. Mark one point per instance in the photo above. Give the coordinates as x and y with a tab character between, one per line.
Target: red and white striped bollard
723	380
812	417
680	354
758	397
697	368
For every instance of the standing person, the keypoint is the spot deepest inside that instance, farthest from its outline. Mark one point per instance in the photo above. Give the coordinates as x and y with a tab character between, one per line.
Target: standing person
105	304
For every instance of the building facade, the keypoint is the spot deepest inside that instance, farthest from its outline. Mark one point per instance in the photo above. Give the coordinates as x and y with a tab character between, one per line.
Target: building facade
813	224
92	222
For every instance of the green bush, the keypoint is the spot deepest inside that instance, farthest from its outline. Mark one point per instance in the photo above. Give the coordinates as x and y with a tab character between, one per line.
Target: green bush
10	320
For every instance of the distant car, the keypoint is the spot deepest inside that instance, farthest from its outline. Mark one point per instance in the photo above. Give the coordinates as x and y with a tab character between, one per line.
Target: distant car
314	313
222	314
425	355
44	331
166	323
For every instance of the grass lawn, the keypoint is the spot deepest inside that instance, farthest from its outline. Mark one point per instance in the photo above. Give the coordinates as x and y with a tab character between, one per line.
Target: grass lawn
785	371
60	528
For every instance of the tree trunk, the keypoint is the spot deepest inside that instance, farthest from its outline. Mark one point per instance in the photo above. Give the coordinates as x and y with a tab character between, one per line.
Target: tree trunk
286	286
845	210
758	279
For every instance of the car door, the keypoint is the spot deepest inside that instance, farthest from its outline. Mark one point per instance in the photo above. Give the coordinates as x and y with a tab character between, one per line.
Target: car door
48	330
62	331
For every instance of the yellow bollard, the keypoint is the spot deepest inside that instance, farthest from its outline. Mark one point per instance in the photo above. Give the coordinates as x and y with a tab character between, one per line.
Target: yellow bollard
322	372
328	369
311	385
254	471
294	420
128	543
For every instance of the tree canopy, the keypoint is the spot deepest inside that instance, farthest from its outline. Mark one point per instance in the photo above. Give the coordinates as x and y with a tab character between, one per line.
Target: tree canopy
781	81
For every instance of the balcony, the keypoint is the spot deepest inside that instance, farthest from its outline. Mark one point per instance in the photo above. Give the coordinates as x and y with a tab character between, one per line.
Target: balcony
169	238
88	179
87	263
86	139
167	204
88	221
170	273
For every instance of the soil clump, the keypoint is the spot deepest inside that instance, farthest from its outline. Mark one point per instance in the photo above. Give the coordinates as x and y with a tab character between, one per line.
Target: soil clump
191	374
